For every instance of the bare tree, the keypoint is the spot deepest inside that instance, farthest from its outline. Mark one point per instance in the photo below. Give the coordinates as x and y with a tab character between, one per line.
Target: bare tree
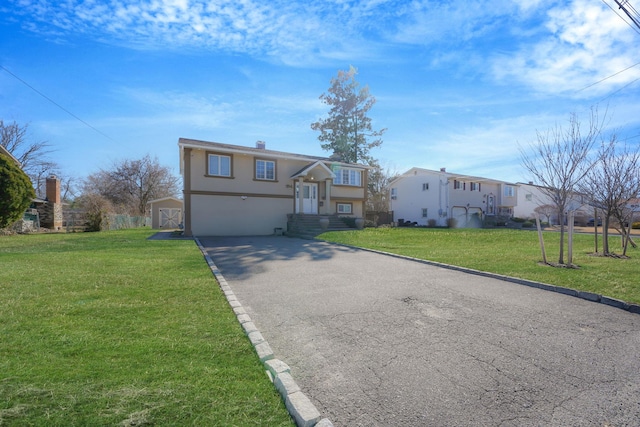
378	180
33	156
131	184
560	160
612	182
546	211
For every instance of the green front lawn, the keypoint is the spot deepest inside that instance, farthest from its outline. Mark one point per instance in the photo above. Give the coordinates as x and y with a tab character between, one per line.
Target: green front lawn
513	253
104	329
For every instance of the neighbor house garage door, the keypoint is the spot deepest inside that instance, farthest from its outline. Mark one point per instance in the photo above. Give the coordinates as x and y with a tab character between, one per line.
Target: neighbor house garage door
170	217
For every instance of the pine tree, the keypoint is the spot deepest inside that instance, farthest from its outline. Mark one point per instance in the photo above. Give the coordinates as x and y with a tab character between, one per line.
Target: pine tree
347	130
16	191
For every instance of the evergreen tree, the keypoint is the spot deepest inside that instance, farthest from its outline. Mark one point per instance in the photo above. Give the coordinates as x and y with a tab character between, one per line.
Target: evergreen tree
16	191
347	130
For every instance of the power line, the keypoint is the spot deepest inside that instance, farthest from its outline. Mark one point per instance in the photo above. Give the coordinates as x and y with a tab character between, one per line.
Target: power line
631	11
625	21
613	75
55	103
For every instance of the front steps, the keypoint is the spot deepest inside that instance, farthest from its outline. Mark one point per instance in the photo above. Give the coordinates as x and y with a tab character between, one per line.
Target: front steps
307	226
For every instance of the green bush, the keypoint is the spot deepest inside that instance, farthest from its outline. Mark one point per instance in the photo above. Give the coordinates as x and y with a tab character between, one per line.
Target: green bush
516	219
16	192
349	220
636	225
527	224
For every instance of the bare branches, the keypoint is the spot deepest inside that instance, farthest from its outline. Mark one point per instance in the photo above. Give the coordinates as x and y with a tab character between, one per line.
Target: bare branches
559	160
131	184
33	156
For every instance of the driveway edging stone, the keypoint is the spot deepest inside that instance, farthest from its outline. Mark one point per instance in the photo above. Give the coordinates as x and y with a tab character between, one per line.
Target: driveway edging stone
299	406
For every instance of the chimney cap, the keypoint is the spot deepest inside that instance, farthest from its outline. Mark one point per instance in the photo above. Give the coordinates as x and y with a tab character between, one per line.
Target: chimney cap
261	145
443	169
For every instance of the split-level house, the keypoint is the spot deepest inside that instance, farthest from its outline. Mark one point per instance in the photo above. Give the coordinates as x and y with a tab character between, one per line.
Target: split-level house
420	195
236	190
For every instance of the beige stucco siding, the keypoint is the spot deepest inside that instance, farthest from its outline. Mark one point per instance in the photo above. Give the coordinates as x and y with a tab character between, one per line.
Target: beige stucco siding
242	180
156	206
233	216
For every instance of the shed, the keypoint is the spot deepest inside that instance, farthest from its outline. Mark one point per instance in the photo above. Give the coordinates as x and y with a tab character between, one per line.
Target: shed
166	213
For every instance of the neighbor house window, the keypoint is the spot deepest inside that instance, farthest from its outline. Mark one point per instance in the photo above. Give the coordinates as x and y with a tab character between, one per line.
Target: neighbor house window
394	193
219	165
425	186
345	208
346	176
266	170
475	186
424	212
457	184
529	197
509	191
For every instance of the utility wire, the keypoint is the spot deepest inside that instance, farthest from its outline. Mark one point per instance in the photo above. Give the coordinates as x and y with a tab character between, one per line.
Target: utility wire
55	103
613	75
625	21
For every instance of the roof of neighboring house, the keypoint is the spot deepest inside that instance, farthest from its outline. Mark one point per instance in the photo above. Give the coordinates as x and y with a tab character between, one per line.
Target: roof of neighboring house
450	175
262	152
164	199
6	152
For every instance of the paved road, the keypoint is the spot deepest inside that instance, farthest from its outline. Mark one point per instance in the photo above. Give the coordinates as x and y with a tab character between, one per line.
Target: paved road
375	340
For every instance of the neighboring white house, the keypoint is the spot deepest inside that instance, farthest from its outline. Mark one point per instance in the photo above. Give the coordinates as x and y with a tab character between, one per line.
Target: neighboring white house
532	196
420	195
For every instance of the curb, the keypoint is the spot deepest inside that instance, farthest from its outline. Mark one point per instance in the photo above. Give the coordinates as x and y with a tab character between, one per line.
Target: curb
589	296
297	403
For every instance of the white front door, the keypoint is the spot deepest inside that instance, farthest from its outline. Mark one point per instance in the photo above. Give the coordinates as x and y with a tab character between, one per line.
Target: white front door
309	198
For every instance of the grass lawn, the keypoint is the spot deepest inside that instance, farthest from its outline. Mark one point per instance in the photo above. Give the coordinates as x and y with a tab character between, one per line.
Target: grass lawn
513	253
112	329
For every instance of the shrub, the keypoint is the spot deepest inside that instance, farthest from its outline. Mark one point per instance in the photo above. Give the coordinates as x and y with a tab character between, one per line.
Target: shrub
349	220
452	222
636	225
520	220
16	191
431	223
527	224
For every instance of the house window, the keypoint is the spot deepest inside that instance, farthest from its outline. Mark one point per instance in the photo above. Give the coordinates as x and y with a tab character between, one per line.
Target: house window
529	197
457	184
425	186
475	186
424	212
509	191
394	193
346	176
265	170
219	165
345	208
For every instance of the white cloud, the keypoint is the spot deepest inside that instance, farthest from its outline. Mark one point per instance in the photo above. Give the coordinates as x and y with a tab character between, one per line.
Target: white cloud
585	42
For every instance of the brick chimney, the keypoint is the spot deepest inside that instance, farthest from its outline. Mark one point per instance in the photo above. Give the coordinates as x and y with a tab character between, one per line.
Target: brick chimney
261	145
53	189
51	216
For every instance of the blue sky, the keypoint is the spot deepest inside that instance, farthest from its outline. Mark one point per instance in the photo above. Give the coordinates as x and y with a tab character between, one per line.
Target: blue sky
459	84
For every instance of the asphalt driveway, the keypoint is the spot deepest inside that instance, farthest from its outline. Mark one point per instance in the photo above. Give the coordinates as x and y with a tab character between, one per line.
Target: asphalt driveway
374	340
